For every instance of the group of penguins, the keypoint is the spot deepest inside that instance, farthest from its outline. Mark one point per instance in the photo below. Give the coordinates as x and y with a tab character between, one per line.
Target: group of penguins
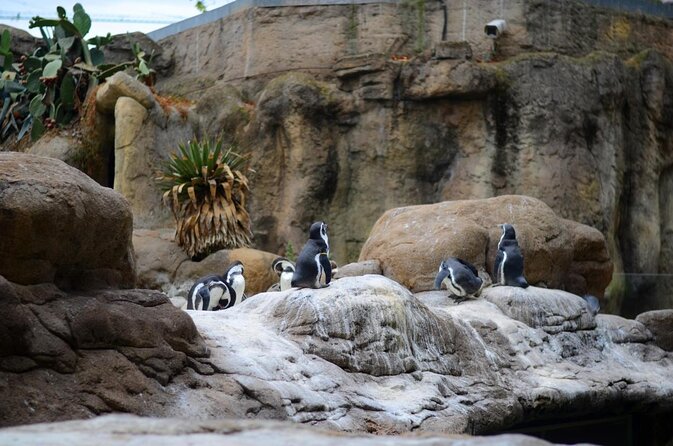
314	270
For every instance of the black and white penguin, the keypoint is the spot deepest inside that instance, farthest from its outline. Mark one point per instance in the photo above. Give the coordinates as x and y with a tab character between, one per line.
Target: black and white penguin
285	269
460	278
210	293
508	267
233	276
313	259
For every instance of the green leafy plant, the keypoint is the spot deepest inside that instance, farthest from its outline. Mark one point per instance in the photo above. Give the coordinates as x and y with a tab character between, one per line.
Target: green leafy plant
48	87
206	191
141	65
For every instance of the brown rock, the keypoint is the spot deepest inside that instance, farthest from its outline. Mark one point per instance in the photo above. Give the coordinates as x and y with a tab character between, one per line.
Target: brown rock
122	85
65	354
410	242
60	226
660	323
158	257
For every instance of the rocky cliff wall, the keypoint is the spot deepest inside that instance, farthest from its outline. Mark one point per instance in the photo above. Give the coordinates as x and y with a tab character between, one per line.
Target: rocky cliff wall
271	40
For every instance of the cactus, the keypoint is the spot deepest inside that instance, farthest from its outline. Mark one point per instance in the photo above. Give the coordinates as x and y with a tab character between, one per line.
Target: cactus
47	87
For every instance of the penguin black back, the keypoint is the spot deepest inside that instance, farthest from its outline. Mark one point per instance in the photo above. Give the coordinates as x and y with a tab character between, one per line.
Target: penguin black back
460	278
313	260
508	266
210	293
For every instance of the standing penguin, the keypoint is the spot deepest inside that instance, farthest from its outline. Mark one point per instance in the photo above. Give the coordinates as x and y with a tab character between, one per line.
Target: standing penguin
460	278
313	259
210	293
508	267
285	269
233	276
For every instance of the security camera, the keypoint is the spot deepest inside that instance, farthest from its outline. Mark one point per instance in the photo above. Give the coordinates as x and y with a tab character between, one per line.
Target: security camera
494	28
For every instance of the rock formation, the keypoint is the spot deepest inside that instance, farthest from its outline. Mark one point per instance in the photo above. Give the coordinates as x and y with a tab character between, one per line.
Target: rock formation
571	106
365	354
58	225
410	242
72	344
118	430
74	355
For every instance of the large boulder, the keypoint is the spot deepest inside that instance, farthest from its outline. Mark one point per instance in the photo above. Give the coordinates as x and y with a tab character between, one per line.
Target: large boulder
58	225
410	242
660	323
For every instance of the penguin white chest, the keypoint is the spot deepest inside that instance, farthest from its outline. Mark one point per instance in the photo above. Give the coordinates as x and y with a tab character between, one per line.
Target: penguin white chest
453	286
238	285
286	280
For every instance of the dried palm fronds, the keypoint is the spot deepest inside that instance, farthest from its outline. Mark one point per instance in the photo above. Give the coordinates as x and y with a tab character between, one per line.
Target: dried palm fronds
206	192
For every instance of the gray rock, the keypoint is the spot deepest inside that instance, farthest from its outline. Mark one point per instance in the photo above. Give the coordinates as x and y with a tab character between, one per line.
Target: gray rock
552	310
660	323
359	269
366	354
118	430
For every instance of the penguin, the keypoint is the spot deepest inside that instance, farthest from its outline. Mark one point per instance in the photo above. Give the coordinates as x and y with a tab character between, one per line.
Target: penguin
460	277
313	260
285	269
210	293
508	267
233	276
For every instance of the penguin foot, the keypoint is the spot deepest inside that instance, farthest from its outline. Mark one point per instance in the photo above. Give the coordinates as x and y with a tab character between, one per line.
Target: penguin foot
458	299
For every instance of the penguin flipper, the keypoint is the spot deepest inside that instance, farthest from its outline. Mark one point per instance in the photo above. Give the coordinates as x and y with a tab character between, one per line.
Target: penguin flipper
327	267
497	266
204	294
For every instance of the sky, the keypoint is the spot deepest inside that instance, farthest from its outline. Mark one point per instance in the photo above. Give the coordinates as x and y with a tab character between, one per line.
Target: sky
110	16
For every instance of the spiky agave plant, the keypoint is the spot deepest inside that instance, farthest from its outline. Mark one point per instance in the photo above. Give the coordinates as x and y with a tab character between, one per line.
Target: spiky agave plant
205	189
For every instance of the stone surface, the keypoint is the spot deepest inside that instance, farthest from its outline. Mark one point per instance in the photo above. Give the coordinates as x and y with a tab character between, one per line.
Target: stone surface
275	40
120	50
363	354
71	355
21	42
660	323
113	430
358	269
55	146
122	85
410	242
162	265
554	311
60	226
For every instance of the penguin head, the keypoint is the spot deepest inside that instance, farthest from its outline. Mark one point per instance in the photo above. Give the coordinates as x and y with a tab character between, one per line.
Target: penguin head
508	232
234	269
318	231
281	264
